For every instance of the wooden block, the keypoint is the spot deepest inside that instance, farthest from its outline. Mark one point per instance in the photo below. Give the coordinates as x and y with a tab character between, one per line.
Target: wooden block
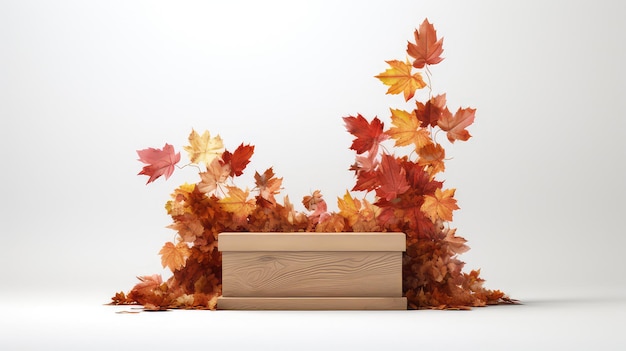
316	273
312	270
311	303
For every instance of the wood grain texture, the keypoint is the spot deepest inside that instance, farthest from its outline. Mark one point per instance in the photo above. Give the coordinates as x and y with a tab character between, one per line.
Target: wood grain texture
312	241
311	303
312	274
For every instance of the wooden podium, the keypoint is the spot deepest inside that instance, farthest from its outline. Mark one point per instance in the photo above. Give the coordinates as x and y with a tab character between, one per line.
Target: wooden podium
312	271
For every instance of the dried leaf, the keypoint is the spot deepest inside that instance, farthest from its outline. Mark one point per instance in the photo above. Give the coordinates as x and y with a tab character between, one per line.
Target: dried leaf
400	79
202	148
427	49
159	162
174	256
440	205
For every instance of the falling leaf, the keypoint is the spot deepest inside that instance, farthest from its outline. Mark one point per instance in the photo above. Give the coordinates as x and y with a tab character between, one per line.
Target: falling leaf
159	162
427	49
455	125
239	159
406	130
432	157
267	184
430	112
368	134
203	148
400	79
440	205
174	256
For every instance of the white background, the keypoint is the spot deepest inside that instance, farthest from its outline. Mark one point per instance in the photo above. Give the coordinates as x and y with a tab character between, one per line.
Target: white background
83	84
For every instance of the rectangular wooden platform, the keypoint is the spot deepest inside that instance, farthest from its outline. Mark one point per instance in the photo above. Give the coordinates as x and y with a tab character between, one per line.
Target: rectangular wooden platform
312	271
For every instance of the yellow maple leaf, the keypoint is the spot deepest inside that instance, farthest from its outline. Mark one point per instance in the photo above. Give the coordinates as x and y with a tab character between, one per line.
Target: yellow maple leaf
406	129
400	79
238	204
174	256
349	208
203	148
441	205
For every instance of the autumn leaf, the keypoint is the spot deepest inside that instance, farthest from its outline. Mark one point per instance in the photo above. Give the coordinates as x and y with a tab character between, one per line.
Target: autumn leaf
267	184
349	208
366	181
291	214
331	223
430	112
440	205
427	49
455	125
237	203
368	135
406	130
188	227
432	157
239	159
456	243
203	148
400	79
174	256
317	205
392	178
159	162
147	292
216	173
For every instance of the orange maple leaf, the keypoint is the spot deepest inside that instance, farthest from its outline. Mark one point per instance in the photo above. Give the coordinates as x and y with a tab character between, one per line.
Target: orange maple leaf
188	227
203	148
440	205
427	49
238	204
401	79
455	125
268	184
407	129
432	157
456	243
216	173
174	256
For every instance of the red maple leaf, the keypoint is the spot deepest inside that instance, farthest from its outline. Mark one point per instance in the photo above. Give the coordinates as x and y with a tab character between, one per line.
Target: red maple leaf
239	159
427	49
392	178
159	162
368	135
366	181
455	125
430	112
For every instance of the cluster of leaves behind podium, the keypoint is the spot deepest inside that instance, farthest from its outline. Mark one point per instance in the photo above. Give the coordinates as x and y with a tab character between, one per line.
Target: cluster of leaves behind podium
407	198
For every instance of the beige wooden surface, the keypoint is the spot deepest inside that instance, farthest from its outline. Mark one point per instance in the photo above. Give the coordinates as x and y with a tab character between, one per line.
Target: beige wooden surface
311	303
312	242
281	274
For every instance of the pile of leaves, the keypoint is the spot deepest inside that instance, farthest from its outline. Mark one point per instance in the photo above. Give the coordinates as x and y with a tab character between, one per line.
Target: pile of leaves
407	197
